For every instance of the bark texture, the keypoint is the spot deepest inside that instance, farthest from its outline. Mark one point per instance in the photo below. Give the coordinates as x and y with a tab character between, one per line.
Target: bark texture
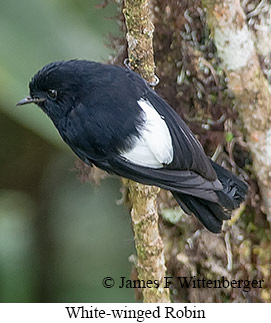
235	47
139	37
258	15
260	19
149	245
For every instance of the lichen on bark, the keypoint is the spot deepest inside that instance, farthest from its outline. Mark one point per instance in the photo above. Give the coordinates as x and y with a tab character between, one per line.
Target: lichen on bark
139	37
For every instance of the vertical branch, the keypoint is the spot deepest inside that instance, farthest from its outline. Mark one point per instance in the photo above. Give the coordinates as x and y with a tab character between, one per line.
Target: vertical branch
139	37
149	245
235	47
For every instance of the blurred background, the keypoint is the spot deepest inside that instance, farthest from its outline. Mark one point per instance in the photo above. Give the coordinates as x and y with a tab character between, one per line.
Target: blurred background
58	237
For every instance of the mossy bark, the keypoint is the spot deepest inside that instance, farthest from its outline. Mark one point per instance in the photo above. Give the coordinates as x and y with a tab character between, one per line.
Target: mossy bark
139	37
149	245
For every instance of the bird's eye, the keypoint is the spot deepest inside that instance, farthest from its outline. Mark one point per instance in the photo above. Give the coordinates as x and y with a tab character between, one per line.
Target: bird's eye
52	94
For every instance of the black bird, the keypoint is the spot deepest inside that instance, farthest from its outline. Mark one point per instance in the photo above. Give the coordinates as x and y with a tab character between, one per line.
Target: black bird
110	117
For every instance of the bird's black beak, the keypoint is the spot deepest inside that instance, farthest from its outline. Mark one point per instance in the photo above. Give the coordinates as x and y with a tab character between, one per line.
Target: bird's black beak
28	100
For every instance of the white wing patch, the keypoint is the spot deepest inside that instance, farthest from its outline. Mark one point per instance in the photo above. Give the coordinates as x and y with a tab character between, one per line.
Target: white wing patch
154	147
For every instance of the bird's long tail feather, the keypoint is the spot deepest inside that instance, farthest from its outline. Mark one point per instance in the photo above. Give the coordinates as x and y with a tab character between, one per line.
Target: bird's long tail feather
229	198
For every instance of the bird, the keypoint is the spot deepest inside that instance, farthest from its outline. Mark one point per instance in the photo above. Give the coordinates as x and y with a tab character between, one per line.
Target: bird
112	118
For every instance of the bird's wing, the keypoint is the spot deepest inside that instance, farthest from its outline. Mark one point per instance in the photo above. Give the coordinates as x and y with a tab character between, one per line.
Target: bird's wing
182	181
153	147
188	153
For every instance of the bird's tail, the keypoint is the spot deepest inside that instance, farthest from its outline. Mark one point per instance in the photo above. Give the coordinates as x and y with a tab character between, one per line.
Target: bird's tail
229	198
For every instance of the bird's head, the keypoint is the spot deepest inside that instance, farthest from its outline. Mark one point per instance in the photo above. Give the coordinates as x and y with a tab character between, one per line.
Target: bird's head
57	87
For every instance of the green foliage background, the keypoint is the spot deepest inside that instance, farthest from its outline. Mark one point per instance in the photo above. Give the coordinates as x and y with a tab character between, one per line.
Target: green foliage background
58	237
